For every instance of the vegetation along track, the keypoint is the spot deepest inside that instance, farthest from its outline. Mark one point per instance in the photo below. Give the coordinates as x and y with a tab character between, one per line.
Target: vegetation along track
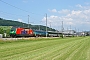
74	48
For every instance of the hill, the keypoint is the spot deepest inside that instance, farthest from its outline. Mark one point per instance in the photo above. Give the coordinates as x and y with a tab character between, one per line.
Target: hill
4	22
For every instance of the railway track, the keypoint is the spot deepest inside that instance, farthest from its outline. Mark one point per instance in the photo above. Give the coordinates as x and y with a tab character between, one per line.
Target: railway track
24	38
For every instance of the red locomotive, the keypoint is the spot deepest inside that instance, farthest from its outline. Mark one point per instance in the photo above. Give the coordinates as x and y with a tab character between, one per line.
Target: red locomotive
21	32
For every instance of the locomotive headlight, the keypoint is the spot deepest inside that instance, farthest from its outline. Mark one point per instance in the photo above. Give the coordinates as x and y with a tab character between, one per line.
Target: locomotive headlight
12	31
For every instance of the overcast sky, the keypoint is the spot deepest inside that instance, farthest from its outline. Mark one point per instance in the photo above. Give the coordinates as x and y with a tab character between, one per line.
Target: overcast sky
75	14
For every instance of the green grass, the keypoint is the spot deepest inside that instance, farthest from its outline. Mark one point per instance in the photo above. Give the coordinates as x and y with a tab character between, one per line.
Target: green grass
76	48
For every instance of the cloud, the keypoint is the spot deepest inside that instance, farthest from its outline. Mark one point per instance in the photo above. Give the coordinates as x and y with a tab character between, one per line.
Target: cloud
64	11
87	3
76	18
53	10
80	6
20	20
25	1
83	7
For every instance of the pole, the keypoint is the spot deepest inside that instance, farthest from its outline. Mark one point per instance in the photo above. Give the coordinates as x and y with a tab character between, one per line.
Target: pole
62	29
70	30
39	27
70	27
46	25
50	26
23	25
28	21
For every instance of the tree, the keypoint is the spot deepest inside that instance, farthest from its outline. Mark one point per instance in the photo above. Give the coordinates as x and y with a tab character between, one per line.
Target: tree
87	33
1	31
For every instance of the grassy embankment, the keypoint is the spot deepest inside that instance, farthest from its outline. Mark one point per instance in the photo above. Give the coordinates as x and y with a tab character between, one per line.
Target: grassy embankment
76	48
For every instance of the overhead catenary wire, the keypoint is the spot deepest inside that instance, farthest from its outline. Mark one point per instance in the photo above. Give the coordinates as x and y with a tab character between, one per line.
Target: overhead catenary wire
12	14
20	8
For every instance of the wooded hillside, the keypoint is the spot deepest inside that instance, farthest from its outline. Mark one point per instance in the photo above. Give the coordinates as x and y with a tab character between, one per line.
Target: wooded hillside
4	22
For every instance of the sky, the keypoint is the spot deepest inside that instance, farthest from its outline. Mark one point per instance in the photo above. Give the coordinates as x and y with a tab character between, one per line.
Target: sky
75	14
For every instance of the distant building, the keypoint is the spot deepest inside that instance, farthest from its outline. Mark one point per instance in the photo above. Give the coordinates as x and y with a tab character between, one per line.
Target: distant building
81	34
